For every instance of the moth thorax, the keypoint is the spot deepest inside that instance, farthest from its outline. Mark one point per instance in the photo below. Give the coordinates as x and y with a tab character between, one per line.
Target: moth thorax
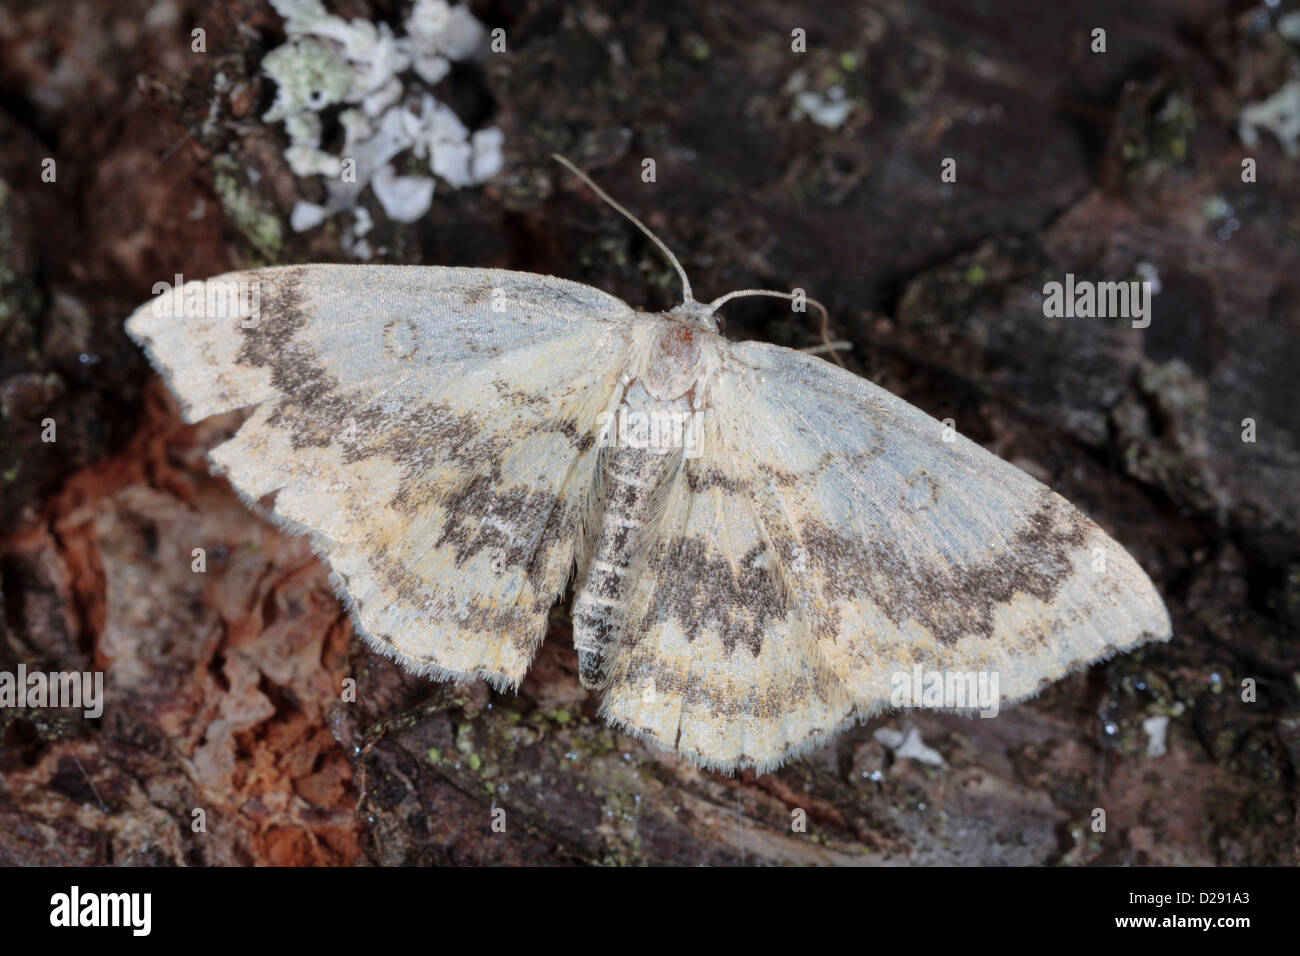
674	365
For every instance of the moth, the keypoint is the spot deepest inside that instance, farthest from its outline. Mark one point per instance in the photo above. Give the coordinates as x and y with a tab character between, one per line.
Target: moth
761	543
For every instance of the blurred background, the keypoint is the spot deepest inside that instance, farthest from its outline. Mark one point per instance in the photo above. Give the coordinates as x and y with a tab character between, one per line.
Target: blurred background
771	145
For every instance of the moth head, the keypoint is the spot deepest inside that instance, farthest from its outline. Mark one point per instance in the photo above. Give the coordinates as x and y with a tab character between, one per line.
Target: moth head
695	313
699	313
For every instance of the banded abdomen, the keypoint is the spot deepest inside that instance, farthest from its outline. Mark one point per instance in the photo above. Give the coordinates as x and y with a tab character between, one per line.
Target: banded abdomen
644	447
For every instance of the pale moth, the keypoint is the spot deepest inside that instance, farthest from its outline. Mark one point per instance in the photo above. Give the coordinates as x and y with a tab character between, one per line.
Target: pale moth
760	542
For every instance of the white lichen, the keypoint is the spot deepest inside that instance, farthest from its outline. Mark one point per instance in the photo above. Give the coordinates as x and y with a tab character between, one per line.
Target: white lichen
1289	26
830	109
1149	273
907	745
404	198
329	62
1279	114
1156	729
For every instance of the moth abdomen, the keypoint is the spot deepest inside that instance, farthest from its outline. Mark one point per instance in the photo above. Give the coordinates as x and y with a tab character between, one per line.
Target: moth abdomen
641	460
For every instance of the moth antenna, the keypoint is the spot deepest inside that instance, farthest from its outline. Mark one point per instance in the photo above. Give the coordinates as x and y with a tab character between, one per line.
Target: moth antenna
827	345
839	345
686	283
